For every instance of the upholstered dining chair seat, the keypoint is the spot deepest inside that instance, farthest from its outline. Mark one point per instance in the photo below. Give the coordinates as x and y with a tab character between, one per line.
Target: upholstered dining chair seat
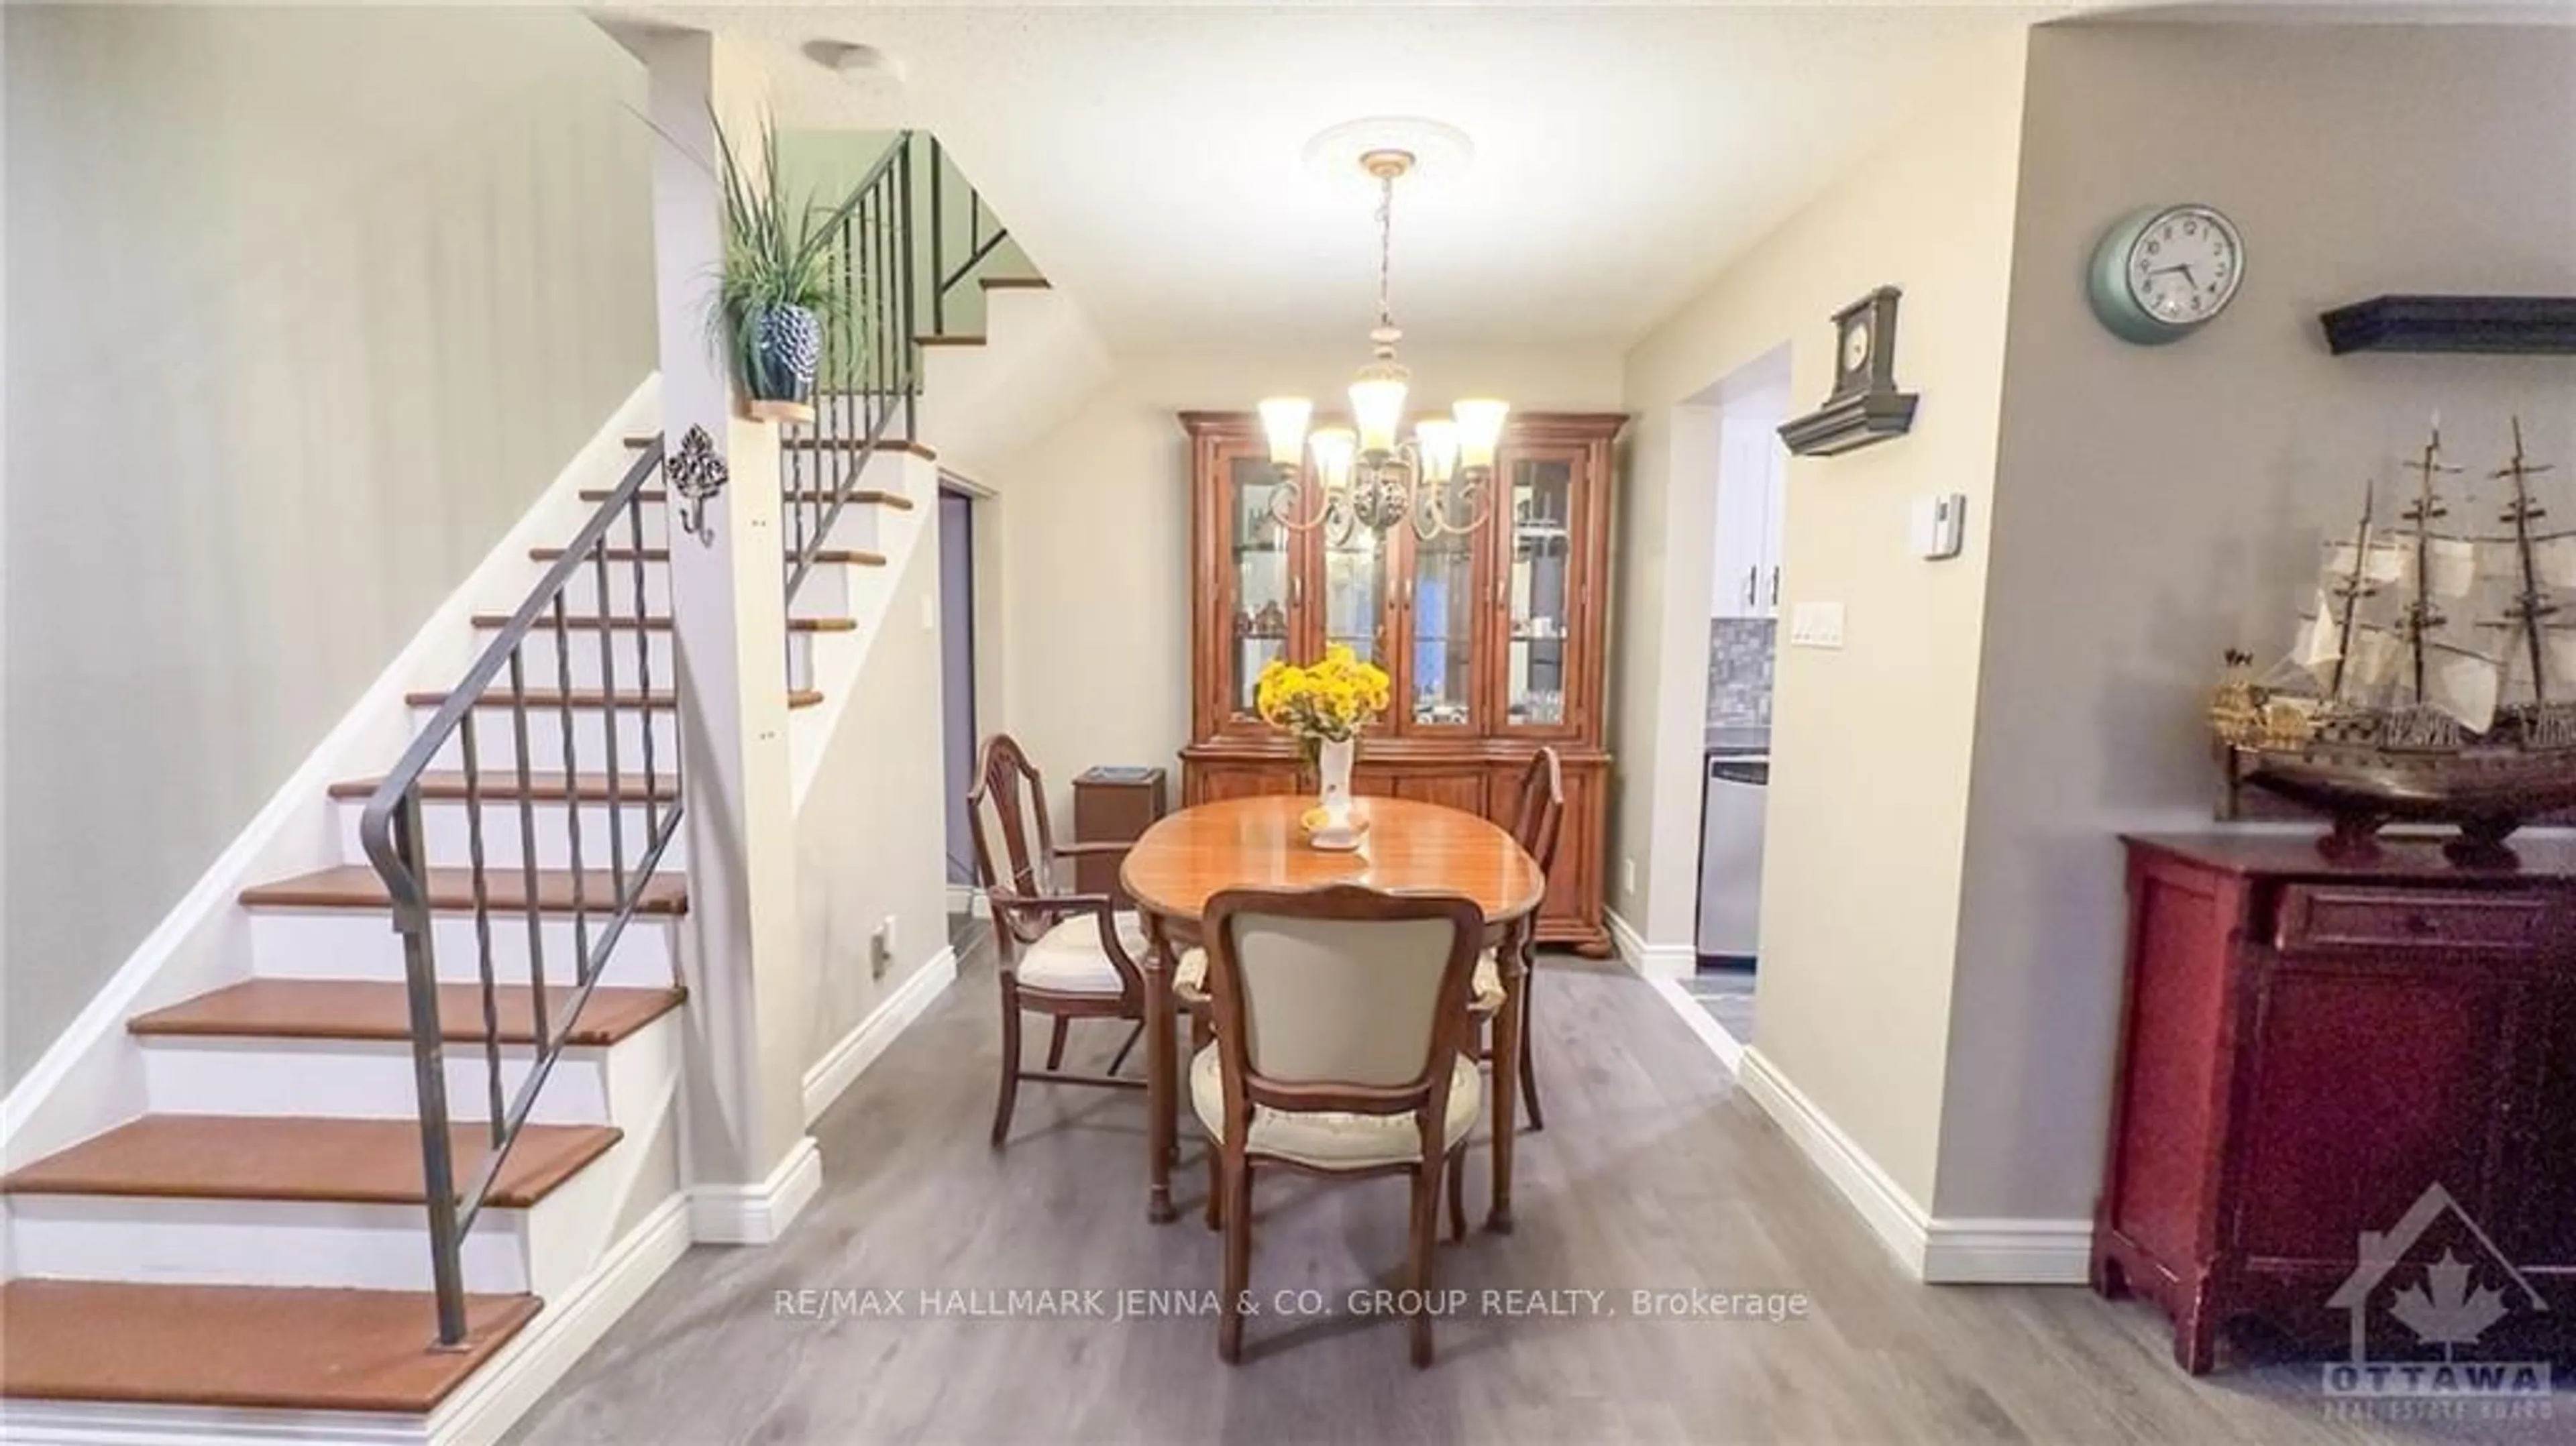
1335	1139
1189	980
1068	959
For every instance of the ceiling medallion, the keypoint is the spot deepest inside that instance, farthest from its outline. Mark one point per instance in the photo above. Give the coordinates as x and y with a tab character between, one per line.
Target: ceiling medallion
1364	476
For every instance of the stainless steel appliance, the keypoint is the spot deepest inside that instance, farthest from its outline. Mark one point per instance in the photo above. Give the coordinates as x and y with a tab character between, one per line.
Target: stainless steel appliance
1730	855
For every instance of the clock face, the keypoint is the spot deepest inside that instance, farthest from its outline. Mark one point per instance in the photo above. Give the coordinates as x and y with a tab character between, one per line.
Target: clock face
1855	347
2184	265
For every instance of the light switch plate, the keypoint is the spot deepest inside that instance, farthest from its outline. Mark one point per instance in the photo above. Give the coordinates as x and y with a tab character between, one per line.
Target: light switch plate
1816	625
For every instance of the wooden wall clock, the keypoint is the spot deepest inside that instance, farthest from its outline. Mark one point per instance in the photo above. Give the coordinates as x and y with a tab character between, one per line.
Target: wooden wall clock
1865	406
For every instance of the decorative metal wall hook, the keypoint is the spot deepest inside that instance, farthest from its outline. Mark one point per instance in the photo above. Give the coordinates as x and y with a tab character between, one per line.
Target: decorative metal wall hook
696	475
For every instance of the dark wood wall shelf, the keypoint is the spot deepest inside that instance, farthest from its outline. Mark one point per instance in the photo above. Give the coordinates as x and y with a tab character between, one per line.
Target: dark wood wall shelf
2513	325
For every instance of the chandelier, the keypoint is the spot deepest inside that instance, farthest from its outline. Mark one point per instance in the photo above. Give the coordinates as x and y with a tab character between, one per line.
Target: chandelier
1363	476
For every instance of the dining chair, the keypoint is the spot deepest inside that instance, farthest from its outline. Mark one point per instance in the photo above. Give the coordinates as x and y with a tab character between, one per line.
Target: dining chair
1063	955
1342	1048
1536	822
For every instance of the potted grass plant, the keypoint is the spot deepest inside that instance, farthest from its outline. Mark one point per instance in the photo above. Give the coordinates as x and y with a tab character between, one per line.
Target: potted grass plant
778	288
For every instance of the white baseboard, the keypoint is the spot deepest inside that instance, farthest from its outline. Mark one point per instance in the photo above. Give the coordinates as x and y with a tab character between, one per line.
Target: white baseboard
1728	1049
757	1214
1936	1251
489	1404
2007	1252
1891	1214
1653	961
91	1076
841	1065
965	899
480	1411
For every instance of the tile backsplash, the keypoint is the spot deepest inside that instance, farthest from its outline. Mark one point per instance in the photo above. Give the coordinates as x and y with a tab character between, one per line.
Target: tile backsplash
1739	672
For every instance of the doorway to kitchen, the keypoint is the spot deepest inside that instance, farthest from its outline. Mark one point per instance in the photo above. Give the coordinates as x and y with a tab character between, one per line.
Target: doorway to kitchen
1743	617
957	680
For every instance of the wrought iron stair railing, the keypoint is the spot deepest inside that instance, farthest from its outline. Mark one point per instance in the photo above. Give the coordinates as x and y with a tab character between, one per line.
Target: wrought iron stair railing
600	904
894	248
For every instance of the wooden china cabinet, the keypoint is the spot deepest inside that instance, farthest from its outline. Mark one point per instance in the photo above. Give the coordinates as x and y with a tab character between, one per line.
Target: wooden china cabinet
1496	639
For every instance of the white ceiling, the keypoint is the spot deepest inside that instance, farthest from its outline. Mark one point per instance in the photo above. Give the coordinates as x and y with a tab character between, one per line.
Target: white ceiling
1148	157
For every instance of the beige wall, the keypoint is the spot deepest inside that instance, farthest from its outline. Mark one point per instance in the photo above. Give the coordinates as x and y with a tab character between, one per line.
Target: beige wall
306	308
2156	506
1094	522
869	833
1868	799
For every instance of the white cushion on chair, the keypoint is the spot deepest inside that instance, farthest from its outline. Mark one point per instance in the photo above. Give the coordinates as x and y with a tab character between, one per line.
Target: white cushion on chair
1189	976
1068	959
1485	995
1335	1139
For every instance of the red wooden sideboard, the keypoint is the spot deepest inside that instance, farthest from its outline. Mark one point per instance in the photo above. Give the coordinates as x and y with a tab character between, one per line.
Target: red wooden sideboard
2306	1046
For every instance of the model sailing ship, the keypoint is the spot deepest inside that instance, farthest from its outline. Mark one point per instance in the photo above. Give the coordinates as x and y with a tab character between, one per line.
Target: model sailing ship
2434	680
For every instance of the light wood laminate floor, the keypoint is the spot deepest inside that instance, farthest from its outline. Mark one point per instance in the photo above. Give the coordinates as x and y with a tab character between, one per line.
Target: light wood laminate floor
1653	1173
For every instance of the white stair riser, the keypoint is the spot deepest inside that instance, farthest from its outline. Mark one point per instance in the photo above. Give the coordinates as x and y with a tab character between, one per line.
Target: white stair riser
256	1242
497	746
359	1079
356	944
826	594
504	846
542	665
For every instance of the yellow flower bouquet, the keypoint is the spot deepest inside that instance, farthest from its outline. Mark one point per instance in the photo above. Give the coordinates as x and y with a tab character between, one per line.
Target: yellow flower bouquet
1325	703
1324	706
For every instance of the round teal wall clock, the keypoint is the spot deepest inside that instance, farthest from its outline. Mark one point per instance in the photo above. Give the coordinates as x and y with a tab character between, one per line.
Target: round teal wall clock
2165	272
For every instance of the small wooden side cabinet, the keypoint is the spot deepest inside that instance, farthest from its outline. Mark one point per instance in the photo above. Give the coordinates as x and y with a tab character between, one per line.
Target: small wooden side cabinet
1112	805
2306	1048
1496	639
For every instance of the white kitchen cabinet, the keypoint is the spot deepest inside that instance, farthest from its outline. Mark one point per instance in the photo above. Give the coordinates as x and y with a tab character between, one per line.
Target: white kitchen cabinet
1752	465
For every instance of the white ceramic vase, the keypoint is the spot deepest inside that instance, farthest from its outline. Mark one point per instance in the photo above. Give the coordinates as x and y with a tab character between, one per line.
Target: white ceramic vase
1333	771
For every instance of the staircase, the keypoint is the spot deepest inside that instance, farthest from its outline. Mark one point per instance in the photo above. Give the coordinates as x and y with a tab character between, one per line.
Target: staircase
243	1257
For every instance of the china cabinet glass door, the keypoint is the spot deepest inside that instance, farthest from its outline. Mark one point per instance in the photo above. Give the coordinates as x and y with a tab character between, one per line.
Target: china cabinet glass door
1357	574
1541	588
1261	579
1440	595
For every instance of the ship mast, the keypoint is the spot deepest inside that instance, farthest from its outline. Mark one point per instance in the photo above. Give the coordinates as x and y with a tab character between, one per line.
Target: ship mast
2421	615
2532	604
2353	590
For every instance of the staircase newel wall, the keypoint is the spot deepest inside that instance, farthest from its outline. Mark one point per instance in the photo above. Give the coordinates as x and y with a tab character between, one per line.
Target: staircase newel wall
748	1161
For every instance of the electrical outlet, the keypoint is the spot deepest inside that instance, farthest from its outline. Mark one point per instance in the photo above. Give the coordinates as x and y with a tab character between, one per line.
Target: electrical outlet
1628	877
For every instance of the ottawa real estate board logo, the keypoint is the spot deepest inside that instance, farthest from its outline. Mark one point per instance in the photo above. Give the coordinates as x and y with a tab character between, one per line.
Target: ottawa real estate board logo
2436	1280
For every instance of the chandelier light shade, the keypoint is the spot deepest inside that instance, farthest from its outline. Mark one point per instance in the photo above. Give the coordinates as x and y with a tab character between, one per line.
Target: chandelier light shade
1284	420
1480	429
1370	475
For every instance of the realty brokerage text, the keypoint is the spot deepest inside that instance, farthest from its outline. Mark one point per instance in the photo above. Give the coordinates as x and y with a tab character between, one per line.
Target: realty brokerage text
1117	1304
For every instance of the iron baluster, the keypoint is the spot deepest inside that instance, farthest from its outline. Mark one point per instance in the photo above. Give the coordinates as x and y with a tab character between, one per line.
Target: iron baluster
571	771
398	831
608	701
481	890
527	841
644	661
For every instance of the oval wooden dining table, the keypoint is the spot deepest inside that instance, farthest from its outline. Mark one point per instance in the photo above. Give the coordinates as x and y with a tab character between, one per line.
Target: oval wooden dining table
1187	858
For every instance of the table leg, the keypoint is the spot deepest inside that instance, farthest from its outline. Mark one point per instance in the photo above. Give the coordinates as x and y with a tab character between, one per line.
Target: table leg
1162	1122
1507	1074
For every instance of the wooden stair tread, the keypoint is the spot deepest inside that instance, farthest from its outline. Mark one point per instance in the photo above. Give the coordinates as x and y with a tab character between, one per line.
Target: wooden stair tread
1015	283
954	339
592	624
356	886
867	495
547	698
340	1161
851	556
381	1010
249	1347
501	785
